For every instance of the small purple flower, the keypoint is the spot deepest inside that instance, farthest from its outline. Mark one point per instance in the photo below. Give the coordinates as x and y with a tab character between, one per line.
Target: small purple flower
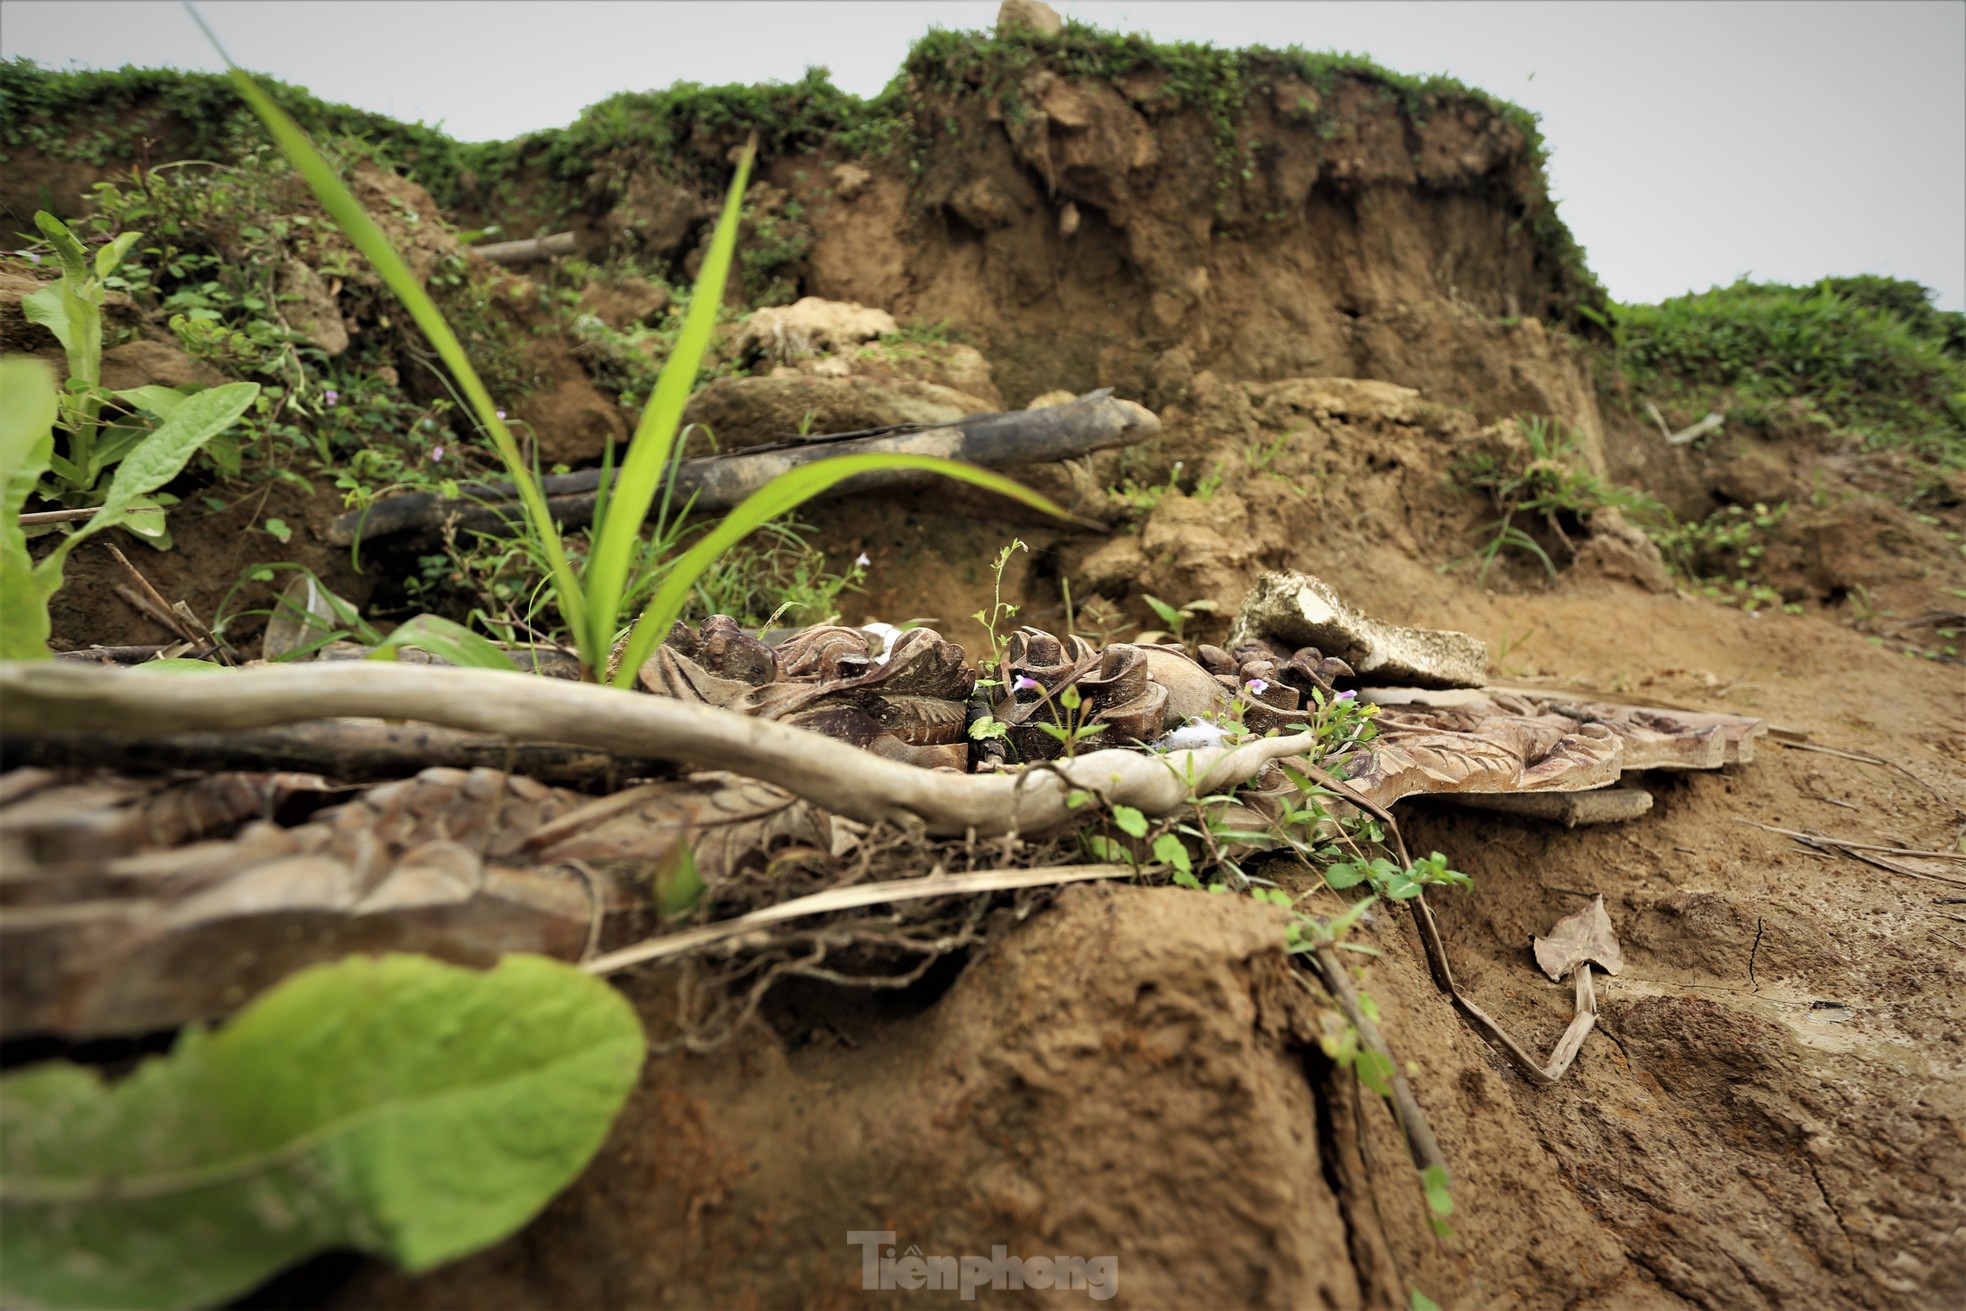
499	413
1257	686
436	453
1025	683
331	398
1347	695
28	255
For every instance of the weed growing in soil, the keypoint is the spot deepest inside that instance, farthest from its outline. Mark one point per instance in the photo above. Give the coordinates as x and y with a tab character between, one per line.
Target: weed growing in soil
999	611
1721	555
1546	485
592	599
146	452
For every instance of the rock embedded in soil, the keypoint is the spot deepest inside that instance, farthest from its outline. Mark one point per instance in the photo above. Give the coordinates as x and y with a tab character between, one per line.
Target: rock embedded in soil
1296	610
749	411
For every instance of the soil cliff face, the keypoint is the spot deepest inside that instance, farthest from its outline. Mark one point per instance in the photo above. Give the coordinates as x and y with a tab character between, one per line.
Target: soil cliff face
1100	233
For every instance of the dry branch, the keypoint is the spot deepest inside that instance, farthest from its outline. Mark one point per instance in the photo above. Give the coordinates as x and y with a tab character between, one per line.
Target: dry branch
42	698
528	251
1094	422
351	751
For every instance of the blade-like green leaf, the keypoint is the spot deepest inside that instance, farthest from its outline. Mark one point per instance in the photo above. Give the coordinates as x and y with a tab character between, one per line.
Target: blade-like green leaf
445	639
178	666
394	1104
162	455
634	489
27	442
785	493
374	245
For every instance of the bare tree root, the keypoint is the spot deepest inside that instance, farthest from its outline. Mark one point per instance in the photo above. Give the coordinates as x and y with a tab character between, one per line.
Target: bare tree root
44	697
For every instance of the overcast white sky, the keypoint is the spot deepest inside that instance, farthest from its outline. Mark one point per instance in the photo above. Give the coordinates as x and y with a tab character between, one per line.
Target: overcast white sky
1692	141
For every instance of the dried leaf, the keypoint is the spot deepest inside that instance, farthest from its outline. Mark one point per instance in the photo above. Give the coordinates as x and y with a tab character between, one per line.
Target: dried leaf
1583	936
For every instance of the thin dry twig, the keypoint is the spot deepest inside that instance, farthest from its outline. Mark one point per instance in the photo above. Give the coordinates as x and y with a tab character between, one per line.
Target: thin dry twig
156	604
1859	851
1420	1138
1855	845
1861	758
1443	973
686	941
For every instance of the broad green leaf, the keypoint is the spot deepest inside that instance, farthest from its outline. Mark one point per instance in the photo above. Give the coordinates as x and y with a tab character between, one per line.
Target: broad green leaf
112	444
69	251
45	308
27	442
109	256
785	493
177	666
69	472
1343	875
445	639
388	264
1130	820
156	401
634	488
161	456
1169	851
144	516
395	1104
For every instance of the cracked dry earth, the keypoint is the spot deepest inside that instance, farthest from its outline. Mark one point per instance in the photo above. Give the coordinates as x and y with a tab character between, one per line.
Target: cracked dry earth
1769	1113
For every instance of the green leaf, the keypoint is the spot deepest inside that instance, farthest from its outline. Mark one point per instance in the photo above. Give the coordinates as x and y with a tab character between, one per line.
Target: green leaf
1168	614
156	401
1345	923
28	406
144	516
678	884
1103	848
45	308
279	529
1169	851
367	237
176	666
447	640
634	489
1130	821
785	493
394	1104
1415	1299
74	258
109	256
1436	1181
1375	1071
1343	875
160	458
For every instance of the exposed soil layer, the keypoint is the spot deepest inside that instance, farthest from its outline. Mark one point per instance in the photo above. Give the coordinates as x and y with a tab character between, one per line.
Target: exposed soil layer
1772	1111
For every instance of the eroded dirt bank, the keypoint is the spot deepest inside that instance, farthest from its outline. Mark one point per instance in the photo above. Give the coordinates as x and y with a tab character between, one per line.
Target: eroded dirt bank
1329	305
